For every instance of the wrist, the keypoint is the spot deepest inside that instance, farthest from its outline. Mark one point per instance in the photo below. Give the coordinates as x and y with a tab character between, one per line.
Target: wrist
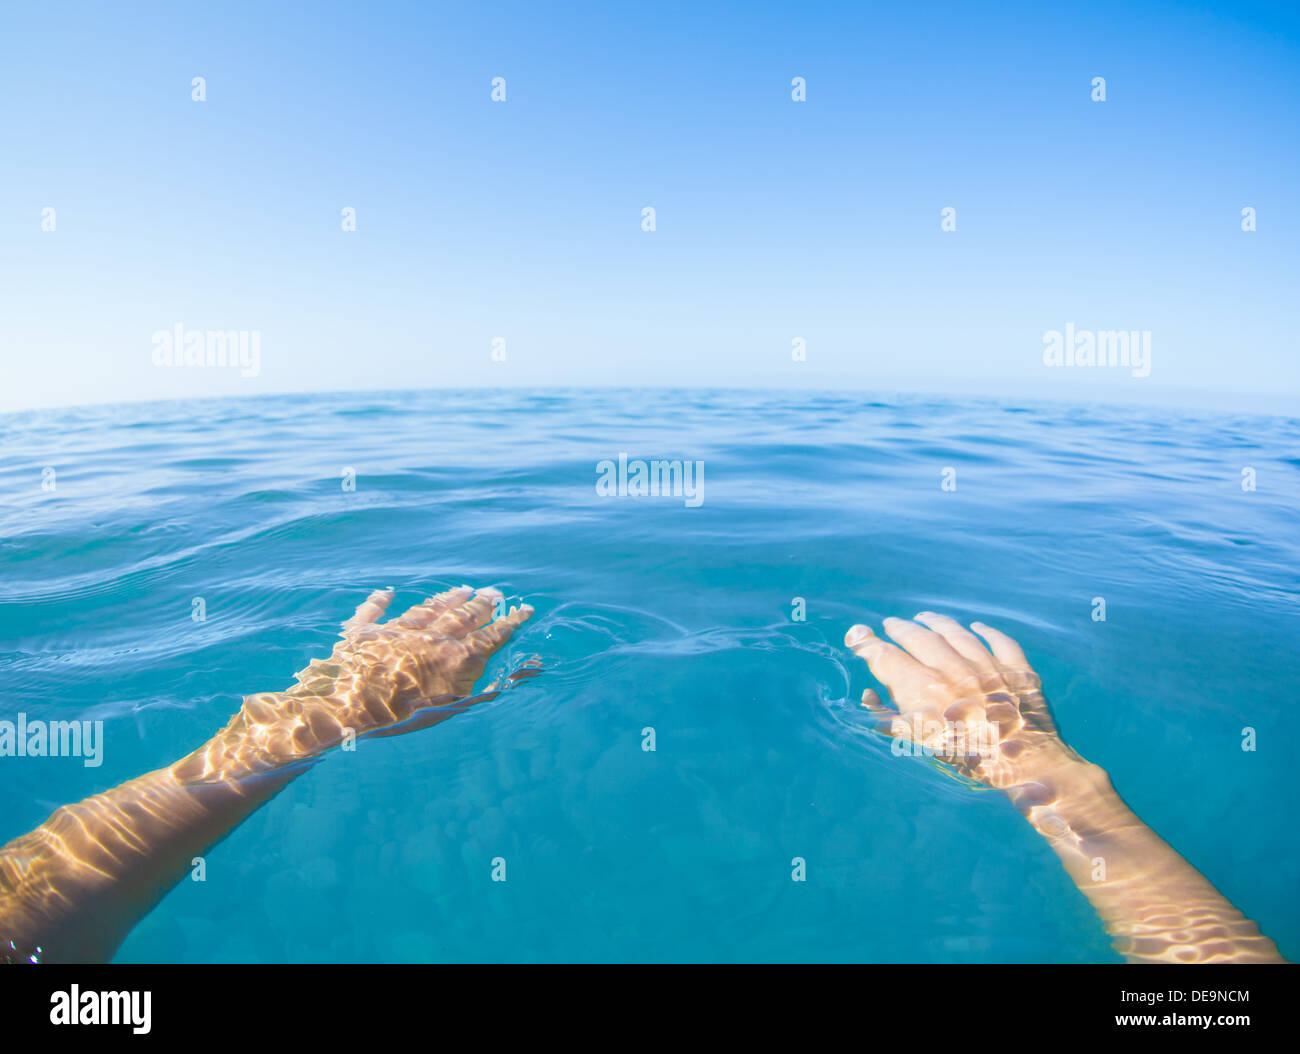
1070	803
270	731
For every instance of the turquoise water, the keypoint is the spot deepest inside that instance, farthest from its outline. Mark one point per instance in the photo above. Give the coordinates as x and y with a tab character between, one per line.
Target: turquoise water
652	614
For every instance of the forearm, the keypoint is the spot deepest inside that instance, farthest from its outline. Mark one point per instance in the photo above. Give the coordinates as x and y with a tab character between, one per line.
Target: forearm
71	890
1153	903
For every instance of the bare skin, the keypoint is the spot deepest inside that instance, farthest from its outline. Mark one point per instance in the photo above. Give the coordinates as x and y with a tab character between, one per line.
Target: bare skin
980	710
71	890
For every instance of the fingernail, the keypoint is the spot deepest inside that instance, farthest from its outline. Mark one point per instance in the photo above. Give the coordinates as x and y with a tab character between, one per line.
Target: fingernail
856	635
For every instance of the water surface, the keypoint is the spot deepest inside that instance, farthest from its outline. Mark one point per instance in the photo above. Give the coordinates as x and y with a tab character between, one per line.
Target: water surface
651	614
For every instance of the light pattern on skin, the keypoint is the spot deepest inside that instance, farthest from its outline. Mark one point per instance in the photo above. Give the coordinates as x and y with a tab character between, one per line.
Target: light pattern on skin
941	676
72	889
401	675
1153	903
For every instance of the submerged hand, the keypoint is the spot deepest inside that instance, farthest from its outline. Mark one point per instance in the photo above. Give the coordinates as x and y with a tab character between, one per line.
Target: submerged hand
72	889
981	713
980	710
381	678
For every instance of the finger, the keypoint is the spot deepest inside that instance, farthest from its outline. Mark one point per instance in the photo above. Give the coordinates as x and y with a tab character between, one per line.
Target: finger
960	639
528	669
882	717
1004	649
905	678
928	647
871	702
489	638
422	615
470	615
370	611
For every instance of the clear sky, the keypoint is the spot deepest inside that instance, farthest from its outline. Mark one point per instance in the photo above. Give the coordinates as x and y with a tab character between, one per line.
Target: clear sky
775	219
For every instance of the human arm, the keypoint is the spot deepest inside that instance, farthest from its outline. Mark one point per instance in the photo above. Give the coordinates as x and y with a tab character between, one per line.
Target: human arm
72	889
981	711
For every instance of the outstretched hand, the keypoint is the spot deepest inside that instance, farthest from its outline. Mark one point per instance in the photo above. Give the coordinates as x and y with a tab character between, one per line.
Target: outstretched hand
978	709
381	679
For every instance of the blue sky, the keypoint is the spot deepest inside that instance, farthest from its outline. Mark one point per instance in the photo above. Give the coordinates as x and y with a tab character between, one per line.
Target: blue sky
521	220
